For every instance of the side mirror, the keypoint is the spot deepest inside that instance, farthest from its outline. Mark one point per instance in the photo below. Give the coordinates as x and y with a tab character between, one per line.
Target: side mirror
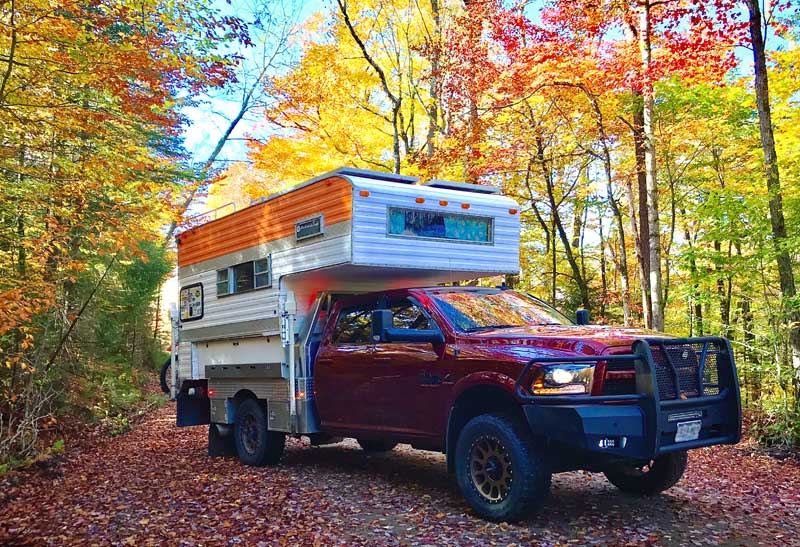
381	321
383	331
582	317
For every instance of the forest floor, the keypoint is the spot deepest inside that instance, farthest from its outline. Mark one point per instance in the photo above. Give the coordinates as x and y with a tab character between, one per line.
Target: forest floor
156	486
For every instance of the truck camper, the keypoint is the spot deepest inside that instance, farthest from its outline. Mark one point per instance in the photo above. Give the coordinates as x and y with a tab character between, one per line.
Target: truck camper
329	311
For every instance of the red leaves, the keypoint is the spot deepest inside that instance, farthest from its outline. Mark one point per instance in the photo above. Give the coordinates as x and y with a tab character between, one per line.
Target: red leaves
156	486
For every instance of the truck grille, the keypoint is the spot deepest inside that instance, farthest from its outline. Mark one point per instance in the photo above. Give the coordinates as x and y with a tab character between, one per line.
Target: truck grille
682	371
616	385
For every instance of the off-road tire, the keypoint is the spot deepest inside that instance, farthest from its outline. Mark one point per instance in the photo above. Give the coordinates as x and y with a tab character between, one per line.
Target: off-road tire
255	444
525	462
373	445
164	375
220	445
664	472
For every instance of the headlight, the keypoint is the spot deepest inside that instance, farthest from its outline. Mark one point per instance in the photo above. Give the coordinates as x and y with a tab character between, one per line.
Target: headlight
566	379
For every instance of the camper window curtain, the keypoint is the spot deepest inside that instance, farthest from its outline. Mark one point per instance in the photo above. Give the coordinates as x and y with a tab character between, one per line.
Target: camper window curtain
433	224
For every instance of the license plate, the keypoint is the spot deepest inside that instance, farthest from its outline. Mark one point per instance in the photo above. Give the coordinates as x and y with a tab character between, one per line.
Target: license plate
688	431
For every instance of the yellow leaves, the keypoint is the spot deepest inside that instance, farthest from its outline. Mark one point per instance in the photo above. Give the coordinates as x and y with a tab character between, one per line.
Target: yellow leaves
27	341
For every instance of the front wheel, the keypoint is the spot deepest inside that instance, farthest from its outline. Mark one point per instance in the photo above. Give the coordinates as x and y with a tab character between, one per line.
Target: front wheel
653	478
501	472
255	444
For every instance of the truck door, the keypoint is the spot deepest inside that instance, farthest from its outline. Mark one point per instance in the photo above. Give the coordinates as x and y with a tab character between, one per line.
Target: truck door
413	378
344	383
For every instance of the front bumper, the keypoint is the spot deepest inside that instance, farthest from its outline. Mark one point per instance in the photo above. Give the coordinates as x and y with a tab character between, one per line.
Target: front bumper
641	425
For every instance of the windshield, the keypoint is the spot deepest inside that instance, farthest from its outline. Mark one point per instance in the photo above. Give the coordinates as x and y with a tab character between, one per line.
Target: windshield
476	310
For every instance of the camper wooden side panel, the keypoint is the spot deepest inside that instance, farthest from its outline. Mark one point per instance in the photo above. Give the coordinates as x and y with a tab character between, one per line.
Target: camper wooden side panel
269	221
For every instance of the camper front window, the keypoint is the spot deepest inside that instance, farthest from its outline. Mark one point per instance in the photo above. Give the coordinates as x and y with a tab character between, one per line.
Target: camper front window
420	223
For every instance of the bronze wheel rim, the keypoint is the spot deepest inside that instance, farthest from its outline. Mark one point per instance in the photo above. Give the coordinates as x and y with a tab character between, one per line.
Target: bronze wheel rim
490	469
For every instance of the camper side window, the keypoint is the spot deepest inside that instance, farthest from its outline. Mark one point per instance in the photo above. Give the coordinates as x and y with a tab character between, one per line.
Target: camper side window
222	282
244	277
354	326
263	272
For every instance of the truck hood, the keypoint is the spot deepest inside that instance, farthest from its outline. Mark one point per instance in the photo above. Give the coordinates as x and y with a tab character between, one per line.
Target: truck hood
560	339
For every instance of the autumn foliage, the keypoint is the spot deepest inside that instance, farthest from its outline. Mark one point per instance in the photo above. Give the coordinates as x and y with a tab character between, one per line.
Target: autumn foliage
90	165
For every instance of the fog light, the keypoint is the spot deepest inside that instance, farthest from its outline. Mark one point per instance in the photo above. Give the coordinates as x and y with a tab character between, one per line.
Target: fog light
607	442
612	442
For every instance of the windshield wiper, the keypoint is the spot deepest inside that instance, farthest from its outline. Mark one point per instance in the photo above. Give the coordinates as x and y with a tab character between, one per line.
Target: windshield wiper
490	327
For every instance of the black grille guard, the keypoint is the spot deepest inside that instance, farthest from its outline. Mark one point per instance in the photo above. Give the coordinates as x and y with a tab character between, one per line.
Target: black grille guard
723	404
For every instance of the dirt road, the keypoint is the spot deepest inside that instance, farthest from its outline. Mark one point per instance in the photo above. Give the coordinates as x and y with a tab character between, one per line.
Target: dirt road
156	486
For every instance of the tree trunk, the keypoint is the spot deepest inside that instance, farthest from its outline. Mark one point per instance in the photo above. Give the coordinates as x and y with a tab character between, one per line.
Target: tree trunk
642	228
648	111
583	289
722	292
433	108
637	245
772	175
623	252
695	308
603	275
641	232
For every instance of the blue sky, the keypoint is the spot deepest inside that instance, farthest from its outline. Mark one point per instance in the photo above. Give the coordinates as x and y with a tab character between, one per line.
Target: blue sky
208	120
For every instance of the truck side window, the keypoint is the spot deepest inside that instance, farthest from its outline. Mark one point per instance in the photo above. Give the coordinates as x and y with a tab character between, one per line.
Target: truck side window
408	315
354	326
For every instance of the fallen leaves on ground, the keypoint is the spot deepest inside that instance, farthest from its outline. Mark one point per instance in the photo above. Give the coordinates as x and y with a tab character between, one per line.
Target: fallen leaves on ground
156	486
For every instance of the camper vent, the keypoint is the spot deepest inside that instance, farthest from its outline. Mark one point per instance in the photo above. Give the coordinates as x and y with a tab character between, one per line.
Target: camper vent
463	186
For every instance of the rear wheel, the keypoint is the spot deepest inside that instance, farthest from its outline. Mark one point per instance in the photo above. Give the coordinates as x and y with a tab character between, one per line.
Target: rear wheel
501	472
653	478
255	444
165	375
371	445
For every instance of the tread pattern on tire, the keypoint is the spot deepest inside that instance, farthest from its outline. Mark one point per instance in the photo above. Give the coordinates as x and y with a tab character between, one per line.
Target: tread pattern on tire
273	442
165	368
531	469
665	473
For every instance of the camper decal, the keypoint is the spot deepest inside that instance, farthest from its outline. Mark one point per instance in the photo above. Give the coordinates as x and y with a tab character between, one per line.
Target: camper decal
191	298
311	227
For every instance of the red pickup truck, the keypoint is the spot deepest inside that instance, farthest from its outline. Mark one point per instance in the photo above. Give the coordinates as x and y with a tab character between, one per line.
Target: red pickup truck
509	389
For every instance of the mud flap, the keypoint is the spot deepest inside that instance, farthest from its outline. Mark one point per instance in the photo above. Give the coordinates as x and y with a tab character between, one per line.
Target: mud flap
193	404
